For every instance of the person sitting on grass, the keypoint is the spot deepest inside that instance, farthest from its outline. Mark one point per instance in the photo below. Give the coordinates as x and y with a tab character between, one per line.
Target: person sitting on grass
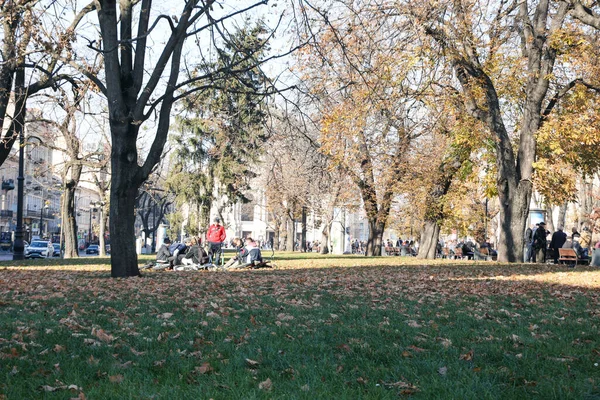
235	261
248	254
163	254
195	254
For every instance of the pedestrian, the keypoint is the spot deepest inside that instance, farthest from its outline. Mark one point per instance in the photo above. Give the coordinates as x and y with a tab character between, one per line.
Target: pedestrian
215	236
540	243
529	242
558	240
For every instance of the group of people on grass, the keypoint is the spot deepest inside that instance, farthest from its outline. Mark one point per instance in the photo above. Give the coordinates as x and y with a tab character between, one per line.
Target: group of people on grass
190	255
538	247
405	247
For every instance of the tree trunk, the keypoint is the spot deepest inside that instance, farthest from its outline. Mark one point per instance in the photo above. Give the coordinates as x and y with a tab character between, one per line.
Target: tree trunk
585	203
303	240
123	193
290	234
429	239
325	237
562	215
68	211
375	240
549	219
283	235
513	217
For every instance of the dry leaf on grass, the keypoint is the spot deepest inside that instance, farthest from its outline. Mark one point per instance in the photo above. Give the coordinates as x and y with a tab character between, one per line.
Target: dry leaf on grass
265	385
116	378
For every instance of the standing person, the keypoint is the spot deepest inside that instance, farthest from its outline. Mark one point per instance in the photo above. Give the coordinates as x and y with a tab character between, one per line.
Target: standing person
529	242
215	238
540	243
559	238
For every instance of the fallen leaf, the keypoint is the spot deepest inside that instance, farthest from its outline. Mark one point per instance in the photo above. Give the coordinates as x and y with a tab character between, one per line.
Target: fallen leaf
265	385
204	368
58	348
103	336
443	371
285	317
413	324
166	315
344	347
251	363
468	356
116	378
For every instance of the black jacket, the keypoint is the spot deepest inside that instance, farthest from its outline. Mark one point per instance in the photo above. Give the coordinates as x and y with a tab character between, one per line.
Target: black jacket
197	254
559	238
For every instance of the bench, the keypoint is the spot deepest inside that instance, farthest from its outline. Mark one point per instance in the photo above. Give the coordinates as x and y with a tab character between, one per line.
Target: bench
458	253
392	251
569	256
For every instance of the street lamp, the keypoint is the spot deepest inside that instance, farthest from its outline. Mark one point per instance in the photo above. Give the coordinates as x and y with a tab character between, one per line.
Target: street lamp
42	208
92	205
18	247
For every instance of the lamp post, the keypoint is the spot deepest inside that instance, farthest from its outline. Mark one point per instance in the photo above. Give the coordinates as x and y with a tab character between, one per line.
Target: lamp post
18	246
90	231
41	219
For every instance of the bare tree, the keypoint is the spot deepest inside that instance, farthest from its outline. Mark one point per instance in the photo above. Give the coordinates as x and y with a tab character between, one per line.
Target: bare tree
139	87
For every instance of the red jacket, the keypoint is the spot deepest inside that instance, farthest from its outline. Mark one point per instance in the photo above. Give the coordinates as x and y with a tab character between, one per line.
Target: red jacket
216	233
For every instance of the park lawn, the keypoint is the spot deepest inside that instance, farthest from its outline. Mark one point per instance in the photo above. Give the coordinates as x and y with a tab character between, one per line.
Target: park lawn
315	327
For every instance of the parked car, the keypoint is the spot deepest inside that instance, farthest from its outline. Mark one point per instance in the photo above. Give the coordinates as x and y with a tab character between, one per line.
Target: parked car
92	249
39	249
56	250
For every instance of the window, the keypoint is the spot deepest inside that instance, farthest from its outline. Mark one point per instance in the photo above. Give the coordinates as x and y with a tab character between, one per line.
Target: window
247	209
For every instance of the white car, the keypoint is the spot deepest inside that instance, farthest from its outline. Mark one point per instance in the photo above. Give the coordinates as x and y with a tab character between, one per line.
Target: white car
39	249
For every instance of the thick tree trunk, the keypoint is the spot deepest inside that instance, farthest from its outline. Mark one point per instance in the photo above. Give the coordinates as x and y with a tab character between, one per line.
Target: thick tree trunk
513	217
123	193
429	239
375	240
290	234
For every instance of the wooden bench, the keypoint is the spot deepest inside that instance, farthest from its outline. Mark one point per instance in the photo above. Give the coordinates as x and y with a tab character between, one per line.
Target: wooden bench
458	253
569	256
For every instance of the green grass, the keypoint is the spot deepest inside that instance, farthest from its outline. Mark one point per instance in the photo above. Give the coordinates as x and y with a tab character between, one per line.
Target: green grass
316	327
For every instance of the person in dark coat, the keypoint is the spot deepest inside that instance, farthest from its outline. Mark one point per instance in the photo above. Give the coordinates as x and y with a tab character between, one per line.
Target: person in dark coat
163	253
540	243
559	238
195	254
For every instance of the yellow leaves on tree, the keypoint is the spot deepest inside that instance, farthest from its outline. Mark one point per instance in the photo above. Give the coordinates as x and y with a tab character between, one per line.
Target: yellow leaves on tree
568	145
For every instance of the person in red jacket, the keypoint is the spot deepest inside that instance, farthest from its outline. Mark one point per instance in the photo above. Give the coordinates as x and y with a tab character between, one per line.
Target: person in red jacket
215	238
